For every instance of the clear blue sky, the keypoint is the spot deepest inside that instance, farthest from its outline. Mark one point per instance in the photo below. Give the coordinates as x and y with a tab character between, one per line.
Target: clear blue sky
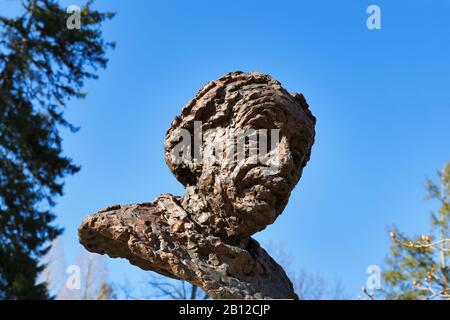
381	98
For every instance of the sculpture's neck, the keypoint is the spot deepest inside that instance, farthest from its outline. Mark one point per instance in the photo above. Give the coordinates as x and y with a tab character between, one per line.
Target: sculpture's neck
214	221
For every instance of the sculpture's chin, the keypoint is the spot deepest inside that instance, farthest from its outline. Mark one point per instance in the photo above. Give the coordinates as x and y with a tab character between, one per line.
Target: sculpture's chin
256	208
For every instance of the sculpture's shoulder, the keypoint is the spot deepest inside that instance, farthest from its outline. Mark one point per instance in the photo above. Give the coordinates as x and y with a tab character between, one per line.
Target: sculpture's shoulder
160	236
144	233
120	221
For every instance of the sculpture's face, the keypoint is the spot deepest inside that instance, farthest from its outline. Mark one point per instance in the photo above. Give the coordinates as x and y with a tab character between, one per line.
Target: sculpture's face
256	188
242	189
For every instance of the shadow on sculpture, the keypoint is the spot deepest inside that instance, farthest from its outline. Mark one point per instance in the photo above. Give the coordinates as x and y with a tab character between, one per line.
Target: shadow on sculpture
239	148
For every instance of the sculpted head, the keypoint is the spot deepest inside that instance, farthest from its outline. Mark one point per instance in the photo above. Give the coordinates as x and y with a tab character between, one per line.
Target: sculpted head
239	148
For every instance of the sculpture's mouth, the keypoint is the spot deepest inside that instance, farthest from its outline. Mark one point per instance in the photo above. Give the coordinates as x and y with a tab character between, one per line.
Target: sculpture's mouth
265	186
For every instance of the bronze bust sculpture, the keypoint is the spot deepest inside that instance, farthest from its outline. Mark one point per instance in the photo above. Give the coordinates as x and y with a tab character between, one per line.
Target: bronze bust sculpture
235	185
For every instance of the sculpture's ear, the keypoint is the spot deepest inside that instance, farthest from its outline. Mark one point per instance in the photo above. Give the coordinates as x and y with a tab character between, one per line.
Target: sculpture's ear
179	156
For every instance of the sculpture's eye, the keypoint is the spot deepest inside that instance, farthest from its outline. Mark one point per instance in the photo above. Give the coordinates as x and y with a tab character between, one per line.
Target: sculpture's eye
297	158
